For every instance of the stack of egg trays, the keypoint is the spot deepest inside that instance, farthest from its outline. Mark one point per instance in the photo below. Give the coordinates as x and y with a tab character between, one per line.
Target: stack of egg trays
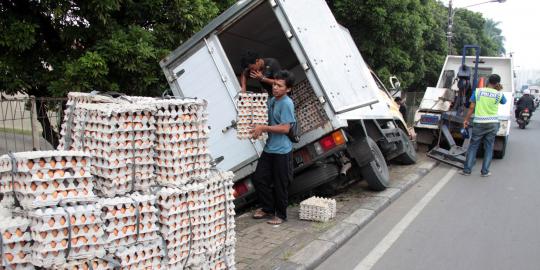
62	234
252	110
183	224
47	178
146	255
309	111
71	124
121	216
182	141
221	237
93	264
118	138
318	209
16	241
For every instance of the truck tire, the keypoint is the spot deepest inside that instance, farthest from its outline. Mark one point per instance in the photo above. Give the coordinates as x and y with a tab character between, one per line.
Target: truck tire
376	172
409	156
499	154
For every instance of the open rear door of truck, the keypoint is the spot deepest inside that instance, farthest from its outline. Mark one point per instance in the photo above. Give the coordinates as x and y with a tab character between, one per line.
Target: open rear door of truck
319	43
204	74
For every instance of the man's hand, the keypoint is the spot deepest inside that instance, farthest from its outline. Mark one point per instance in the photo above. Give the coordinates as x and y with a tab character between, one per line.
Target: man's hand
466	123
257	131
256	74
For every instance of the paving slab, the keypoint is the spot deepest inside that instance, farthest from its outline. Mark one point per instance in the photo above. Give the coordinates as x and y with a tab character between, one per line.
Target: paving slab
300	244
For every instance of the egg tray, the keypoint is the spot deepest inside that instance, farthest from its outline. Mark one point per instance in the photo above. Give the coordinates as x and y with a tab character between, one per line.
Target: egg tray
130	255
56	217
57	235
219	213
19	254
184	171
112	207
119	118
188	256
21	266
167	197
144	172
318	209
181	149
34	161
130	240
184	157
93	264
120	136
139	144
81	246
119	154
224	255
177	230
80	196
48	259
143	220
113	109
121	232
182	127
181	220
81	97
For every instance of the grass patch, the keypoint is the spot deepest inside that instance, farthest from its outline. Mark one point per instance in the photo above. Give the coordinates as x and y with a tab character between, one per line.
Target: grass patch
16	131
287	255
323	226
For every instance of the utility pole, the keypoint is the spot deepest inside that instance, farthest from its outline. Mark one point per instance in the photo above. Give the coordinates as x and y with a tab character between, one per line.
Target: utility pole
450	25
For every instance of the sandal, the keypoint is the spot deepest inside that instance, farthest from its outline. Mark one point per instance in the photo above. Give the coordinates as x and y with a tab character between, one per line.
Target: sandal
275	221
260	214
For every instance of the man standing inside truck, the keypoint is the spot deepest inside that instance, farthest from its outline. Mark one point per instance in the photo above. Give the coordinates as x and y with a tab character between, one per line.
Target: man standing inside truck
274	170
485	105
260	69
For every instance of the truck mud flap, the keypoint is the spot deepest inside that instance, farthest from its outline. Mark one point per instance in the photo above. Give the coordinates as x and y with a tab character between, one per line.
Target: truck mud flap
313	177
445	156
360	151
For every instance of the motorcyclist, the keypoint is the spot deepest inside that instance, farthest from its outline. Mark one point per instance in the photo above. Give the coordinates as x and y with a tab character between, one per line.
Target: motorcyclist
526	101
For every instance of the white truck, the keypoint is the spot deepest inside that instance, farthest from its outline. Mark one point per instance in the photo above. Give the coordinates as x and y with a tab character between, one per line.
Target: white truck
348	121
438	100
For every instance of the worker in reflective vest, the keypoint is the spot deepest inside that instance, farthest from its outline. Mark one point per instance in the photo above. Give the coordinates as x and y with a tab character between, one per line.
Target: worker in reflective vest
485	106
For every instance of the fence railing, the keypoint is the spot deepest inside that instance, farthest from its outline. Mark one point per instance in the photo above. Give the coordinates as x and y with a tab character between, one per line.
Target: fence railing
30	123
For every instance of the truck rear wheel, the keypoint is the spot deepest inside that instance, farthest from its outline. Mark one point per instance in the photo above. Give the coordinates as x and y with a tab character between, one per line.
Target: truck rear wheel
376	172
499	154
409	156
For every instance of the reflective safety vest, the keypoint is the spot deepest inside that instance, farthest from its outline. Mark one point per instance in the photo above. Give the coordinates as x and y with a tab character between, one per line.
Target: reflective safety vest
487	105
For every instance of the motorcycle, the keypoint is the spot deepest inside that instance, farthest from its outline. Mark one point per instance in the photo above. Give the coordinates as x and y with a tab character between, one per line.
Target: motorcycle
524	117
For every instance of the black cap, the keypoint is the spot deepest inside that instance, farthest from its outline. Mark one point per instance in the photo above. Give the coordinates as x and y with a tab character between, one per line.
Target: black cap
494	79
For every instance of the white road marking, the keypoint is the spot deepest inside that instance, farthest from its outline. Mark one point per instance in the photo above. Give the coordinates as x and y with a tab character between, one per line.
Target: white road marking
373	257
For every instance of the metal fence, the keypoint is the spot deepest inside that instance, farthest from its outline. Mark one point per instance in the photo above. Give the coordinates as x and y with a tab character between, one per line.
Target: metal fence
30	123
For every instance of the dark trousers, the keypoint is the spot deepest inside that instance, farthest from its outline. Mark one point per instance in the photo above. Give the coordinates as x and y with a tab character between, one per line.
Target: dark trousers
271	180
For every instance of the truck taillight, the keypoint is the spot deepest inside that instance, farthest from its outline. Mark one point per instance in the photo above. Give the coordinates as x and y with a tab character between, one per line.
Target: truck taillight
329	142
240	188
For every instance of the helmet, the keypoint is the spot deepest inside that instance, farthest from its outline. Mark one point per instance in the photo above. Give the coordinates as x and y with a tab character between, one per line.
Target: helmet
526	92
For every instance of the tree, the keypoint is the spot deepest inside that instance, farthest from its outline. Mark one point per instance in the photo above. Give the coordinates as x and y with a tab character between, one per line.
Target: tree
494	33
393	36
51	47
407	38
469	29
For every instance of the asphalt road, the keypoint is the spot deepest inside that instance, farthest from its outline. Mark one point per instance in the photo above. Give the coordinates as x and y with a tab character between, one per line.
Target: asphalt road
454	222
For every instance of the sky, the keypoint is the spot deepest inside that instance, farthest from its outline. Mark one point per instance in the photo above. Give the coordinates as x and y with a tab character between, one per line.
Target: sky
520	25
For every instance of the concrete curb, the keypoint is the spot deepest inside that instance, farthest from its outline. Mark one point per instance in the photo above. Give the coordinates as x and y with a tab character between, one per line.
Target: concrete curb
325	245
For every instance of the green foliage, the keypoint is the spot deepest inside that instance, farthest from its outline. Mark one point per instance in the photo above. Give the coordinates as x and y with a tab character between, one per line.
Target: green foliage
407	38
51	47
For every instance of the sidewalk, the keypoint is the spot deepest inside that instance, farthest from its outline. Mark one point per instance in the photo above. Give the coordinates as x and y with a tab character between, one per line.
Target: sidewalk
299	244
